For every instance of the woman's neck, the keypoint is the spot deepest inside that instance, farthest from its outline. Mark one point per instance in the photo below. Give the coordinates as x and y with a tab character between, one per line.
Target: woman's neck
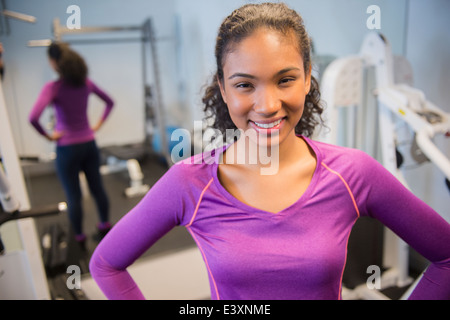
268	159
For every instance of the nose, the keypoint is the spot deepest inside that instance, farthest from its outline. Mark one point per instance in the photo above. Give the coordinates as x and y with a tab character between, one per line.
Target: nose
267	101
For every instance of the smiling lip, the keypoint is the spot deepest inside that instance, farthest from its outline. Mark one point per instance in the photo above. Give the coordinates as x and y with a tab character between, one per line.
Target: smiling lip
267	124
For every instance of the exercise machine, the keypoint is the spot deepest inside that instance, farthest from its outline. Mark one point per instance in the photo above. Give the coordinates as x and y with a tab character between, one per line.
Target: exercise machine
15	279
7	14
23	265
368	96
22	274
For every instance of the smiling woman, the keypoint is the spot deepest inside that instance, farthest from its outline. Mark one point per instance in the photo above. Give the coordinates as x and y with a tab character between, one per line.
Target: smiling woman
282	235
264	79
286	29
264	84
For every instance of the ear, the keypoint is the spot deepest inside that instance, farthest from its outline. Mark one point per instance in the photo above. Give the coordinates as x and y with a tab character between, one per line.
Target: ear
308	80
222	90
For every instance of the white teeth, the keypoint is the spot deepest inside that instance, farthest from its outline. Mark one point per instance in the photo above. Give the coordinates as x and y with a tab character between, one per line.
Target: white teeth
268	125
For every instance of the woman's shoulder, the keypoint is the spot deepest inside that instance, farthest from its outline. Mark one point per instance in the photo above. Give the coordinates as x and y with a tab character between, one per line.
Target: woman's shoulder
339	156
52	84
184	181
50	88
196	167
90	83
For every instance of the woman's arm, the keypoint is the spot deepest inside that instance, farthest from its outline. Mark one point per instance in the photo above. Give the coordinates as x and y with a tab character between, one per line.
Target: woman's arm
138	230
109	103
417	224
44	99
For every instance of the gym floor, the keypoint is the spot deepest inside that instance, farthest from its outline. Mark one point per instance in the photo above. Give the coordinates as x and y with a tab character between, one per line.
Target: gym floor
44	189
365	244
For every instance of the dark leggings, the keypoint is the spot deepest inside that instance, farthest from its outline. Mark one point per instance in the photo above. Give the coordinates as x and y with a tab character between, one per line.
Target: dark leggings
70	161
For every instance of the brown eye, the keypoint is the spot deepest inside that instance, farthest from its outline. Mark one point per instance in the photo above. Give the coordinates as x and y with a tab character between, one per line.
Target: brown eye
286	80
243	86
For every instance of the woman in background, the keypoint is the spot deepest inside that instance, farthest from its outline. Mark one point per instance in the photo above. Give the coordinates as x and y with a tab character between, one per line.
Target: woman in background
76	149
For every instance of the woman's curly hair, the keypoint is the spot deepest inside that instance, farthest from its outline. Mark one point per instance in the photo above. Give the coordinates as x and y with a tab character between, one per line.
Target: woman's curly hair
71	66
241	24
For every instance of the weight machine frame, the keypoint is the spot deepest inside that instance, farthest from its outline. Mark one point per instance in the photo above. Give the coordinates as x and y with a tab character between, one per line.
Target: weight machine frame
376	108
22	265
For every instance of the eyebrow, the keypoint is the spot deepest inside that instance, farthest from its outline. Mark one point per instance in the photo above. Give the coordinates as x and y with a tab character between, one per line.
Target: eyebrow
246	75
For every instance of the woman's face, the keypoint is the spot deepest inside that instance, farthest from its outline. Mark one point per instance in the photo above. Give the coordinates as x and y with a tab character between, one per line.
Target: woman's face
265	85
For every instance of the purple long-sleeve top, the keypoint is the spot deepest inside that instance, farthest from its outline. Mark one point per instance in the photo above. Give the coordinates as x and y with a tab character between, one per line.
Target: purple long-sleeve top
297	253
70	104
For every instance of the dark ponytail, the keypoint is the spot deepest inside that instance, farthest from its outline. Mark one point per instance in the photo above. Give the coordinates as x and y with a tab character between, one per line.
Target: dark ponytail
215	108
71	66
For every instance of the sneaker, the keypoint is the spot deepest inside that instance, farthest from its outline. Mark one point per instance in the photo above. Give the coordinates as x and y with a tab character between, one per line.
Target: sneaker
102	230
81	240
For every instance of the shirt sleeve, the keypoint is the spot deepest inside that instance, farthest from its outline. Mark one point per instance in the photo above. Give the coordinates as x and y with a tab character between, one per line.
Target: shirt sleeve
155	215
389	201
44	99
109	103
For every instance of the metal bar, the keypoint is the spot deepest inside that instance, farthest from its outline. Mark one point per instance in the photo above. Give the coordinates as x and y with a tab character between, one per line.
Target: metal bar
64	30
43	211
160	114
48	42
60	30
19	16
56	26
39	43
2	2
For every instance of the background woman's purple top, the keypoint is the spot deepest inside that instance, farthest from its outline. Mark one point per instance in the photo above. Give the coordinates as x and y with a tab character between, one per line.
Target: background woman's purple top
70	105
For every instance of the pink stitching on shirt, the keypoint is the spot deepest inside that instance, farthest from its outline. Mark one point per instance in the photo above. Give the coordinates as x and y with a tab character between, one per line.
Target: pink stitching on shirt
348	236
198	203
346	185
198	243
